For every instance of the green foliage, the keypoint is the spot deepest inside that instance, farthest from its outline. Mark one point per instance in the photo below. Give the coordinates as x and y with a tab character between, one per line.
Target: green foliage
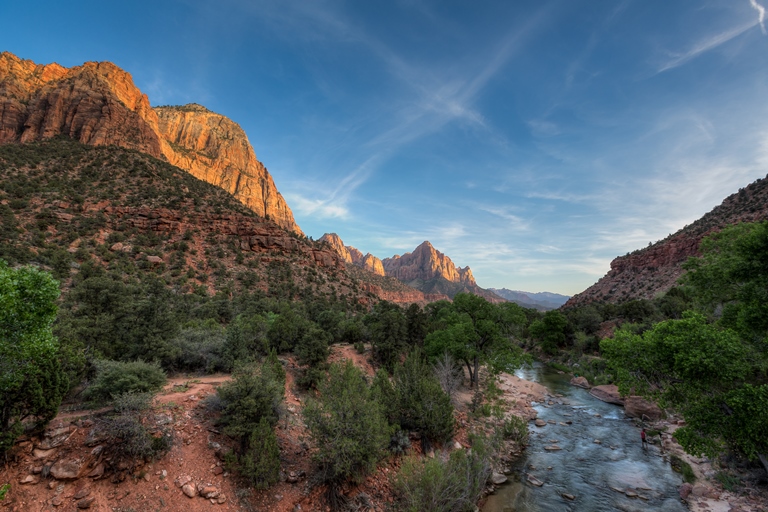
515	429
347	425
114	378
416	401
255	392
4	490
32	381
259	465
388	330
474	331
246	340
703	370
451	486
199	348
683	468
550	331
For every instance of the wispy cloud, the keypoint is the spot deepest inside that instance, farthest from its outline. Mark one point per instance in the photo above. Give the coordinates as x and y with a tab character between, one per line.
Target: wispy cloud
760	14
703	46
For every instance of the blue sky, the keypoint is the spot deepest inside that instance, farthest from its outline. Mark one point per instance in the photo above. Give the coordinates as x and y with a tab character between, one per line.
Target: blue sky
531	140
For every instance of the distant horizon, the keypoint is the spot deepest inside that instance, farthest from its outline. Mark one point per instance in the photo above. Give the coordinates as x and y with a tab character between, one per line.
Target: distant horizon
531	141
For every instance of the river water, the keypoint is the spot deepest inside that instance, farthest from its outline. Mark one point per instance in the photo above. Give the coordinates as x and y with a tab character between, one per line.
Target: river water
616	474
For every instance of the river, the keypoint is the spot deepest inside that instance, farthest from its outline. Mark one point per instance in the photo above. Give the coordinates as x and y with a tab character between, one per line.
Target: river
616	474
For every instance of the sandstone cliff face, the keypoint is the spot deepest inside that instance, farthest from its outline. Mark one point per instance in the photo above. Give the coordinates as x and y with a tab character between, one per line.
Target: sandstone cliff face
353	256
215	149
648	272
425	263
98	104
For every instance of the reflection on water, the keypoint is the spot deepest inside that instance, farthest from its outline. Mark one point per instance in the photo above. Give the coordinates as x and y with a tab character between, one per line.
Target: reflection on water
600	463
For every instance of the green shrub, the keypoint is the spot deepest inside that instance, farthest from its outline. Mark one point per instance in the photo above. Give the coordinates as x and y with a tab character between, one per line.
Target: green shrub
254	393
418	401
437	486
729	482
347	425
515	428
115	378
683	468
259	465
199	349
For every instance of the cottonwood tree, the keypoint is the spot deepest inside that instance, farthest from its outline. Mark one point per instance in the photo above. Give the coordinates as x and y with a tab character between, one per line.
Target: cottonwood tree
32	382
475	332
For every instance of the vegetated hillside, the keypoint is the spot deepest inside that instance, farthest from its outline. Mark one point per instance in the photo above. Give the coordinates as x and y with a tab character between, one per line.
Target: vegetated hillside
98	104
543	301
63	203
648	272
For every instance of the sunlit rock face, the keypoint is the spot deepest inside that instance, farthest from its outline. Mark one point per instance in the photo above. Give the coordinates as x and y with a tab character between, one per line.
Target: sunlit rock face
425	263
98	104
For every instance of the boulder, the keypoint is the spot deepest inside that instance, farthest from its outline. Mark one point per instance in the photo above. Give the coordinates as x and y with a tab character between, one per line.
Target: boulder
540	423
66	469
86	502
581	382
607	393
638	407
498	478
685	490
189	490
534	481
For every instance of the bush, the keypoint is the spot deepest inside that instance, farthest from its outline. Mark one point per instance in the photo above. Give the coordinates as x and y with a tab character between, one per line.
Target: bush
437	486
260	464
418	402
347	425
254	393
515	429
114	378
199	349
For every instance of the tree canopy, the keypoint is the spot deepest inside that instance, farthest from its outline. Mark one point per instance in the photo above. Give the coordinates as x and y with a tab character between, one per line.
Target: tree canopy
32	382
475	331
712	364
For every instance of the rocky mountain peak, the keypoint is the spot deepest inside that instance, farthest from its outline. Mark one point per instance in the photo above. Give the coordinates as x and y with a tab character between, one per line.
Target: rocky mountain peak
97	103
425	263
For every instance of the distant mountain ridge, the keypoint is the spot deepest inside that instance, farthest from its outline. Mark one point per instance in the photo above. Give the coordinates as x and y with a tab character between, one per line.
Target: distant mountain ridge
98	104
536	300
426	269
647	272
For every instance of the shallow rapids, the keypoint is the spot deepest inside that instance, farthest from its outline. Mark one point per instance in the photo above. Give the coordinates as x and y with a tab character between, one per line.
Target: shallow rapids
600	464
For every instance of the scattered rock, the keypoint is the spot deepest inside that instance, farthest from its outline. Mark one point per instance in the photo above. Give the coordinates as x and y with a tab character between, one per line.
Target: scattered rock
218	470
580	382
630	493
56	501
498	478
534	481
97	472
66	470
552	448
154	259
86	502
181	480
29	479
189	490
82	493
597	441
208	491
567	496
43	454
540	423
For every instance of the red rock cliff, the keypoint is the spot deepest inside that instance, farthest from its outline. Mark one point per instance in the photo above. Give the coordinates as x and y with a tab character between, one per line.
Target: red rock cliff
425	263
98	104
648	272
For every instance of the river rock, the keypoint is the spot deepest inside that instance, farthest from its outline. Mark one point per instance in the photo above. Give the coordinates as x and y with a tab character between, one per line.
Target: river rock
540	423
552	448
534	481
498	478
685	490
569	497
607	393
638	407
581	382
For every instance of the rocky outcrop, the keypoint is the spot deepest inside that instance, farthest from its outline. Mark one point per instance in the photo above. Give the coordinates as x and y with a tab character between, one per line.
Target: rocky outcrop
425	263
252	234
353	256
215	149
648	272
98	104
607	393
638	407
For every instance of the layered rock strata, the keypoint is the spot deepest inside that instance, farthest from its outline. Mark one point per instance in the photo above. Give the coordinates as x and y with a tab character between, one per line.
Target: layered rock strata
98	104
